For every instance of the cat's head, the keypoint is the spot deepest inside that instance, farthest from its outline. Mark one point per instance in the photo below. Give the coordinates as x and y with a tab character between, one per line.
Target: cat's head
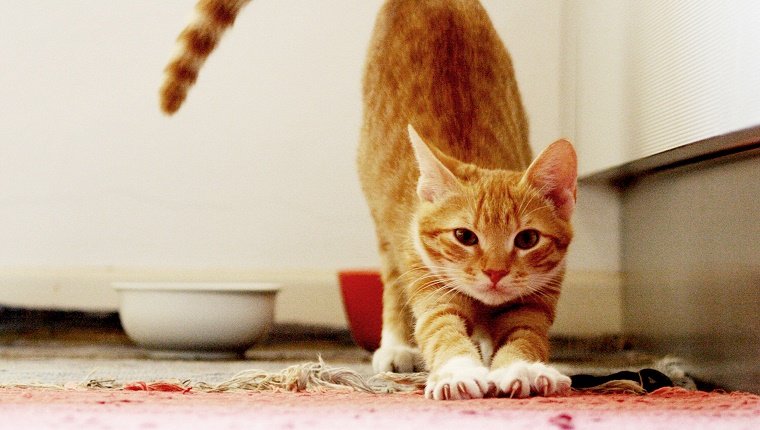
495	235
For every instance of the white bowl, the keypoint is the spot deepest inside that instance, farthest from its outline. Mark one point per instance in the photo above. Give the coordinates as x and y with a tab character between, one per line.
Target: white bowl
193	316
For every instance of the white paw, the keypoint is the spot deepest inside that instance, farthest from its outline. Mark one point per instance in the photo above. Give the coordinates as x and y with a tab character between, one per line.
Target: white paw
460	378
521	379
397	358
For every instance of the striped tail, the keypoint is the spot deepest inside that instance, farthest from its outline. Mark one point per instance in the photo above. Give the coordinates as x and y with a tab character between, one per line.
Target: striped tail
195	43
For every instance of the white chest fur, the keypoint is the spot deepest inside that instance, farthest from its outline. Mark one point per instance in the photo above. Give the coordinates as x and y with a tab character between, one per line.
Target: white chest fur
482	339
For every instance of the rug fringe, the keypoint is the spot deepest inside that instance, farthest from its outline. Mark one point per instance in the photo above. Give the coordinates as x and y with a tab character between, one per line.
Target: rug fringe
306	377
317	377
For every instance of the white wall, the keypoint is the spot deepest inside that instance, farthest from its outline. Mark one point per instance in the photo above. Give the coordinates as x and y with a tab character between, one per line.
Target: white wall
595	68
653	75
588	70
257	169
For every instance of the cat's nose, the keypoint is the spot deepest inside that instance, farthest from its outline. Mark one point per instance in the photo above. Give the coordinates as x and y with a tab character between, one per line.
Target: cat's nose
495	275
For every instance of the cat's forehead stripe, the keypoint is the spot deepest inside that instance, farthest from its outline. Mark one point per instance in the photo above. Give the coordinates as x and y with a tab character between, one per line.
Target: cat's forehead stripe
496	210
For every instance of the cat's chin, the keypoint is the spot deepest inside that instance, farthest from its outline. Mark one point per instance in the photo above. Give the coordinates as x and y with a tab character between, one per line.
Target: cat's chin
487	295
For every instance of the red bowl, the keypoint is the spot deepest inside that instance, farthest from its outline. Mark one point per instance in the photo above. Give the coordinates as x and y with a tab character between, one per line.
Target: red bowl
362	292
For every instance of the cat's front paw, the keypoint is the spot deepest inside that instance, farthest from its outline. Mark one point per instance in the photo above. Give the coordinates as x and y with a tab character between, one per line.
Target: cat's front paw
397	358
460	378
521	379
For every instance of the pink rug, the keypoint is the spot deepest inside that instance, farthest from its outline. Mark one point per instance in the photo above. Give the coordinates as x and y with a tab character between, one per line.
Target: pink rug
666	408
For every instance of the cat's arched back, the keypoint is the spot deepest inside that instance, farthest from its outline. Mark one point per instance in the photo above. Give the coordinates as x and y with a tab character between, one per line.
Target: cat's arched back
441	66
472	235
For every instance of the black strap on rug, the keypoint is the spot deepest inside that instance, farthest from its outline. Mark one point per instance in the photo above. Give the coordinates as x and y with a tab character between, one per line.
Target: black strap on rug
649	379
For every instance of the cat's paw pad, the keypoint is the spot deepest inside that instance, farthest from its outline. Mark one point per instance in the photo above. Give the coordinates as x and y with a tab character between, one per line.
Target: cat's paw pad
460	378
522	379
398	358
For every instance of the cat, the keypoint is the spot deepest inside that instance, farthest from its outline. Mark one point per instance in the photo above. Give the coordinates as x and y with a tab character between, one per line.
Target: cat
472	236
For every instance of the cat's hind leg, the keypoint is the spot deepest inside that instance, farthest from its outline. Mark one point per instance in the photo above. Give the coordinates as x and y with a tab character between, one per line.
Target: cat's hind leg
398	358
396	352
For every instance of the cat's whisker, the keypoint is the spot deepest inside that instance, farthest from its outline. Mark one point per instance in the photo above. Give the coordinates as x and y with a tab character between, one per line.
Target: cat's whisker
546	294
531	197
409	272
443	280
537	209
528	197
430	280
449	283
418	290
547	284
449	295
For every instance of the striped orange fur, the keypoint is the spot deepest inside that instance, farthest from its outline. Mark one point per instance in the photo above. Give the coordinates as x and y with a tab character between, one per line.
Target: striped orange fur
476	314
196	42
472	234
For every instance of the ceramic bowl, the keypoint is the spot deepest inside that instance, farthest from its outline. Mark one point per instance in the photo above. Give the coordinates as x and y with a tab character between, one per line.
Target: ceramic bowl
192	316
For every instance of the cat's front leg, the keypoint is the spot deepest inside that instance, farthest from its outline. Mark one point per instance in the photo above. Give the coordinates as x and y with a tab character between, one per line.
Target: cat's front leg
520	379
459	378
518	367
456	370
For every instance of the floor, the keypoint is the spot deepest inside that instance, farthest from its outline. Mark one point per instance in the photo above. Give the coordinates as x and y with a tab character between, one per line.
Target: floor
65	348
59	348
48	361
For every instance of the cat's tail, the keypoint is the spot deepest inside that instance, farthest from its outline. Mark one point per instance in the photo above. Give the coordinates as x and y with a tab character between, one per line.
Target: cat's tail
195	43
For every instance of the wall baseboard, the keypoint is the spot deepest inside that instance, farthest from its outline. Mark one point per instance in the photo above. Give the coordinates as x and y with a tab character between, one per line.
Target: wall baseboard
590	304
306	296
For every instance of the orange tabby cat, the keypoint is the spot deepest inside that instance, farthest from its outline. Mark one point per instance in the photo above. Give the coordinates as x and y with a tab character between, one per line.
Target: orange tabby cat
472	238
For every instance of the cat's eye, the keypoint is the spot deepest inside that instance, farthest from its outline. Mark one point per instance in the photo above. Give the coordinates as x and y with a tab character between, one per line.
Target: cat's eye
527	239
466	237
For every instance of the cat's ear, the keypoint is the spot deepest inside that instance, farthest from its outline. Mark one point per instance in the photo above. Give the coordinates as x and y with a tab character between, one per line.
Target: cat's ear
554	174
435	179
